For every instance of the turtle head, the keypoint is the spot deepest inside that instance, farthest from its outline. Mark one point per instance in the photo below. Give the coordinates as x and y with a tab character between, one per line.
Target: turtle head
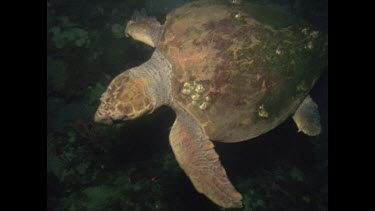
146	30
124	99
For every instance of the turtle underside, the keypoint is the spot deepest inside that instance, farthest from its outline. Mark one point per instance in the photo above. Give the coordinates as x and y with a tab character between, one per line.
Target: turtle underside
240	71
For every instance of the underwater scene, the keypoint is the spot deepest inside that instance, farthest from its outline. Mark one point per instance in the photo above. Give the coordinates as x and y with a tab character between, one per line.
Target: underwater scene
187	105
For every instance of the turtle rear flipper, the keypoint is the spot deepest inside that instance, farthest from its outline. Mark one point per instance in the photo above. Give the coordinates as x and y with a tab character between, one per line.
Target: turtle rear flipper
196	156
307	117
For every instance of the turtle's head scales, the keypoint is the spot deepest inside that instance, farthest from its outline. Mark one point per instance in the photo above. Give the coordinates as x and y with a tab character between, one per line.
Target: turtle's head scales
124	99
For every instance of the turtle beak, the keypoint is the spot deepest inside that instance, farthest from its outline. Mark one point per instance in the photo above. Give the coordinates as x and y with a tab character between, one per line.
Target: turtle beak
100	118
108	119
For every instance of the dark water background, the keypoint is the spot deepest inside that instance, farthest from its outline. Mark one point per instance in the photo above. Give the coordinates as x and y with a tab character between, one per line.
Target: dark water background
130	166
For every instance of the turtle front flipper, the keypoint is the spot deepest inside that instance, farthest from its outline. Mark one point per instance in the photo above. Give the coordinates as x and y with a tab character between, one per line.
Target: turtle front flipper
307	117
196	156
146	30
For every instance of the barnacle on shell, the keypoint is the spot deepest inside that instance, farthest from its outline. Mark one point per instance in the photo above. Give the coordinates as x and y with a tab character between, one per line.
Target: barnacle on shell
199	88
262	112
195	96
203	106
186	91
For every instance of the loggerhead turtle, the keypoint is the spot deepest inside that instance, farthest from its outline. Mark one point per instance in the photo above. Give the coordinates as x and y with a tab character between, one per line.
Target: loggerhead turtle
231	73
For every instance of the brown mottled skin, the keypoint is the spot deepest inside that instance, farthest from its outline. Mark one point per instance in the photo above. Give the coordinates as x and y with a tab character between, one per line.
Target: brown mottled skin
230	73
